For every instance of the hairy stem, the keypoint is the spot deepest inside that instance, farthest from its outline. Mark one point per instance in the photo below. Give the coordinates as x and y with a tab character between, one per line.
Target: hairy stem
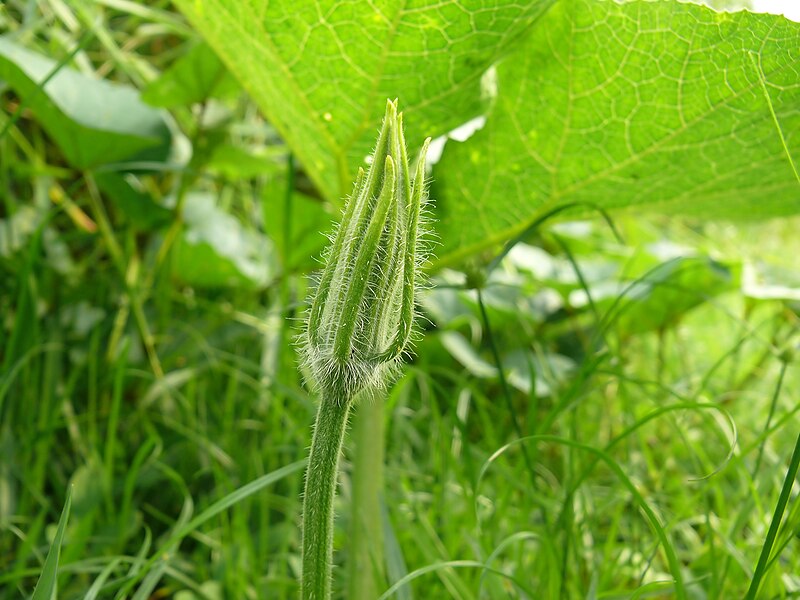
323	466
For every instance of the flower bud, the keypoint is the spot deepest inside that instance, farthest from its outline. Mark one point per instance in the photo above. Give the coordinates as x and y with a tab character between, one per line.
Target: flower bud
362	313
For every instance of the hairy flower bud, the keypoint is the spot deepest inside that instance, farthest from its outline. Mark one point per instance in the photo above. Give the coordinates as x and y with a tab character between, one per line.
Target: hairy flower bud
363	309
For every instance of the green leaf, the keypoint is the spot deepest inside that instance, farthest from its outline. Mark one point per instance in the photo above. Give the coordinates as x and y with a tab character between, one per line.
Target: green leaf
762	280
237	163
93	121
308	221
460	349
215	250
135	204
662	297
196	76
321	73
48	581
547	369
659	105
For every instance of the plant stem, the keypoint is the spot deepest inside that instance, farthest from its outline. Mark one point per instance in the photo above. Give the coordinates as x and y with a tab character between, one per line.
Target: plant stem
366	564
323	466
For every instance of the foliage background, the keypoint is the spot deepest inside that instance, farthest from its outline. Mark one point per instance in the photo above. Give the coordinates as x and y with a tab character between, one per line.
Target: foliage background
164	197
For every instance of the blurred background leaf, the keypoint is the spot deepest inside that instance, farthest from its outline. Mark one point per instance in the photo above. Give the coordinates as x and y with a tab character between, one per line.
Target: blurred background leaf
215	250
94	122
195	77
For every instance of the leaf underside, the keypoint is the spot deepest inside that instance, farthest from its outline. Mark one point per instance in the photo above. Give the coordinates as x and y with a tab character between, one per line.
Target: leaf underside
321	72
662	106
656	105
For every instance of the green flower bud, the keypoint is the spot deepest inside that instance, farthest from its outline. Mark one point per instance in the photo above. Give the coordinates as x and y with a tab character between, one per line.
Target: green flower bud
362	313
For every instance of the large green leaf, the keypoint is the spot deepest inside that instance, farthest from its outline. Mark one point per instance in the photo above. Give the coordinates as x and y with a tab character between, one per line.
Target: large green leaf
93	121
321	71
660	105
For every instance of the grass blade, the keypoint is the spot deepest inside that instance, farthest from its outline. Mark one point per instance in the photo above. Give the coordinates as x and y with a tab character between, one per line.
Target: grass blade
46	586
247	490
98	583
651	517
451	564
762	566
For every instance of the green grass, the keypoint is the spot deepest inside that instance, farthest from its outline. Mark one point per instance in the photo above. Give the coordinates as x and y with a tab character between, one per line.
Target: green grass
660	464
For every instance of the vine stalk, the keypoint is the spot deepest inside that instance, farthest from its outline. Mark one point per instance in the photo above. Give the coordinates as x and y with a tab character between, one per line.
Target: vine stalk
321	477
